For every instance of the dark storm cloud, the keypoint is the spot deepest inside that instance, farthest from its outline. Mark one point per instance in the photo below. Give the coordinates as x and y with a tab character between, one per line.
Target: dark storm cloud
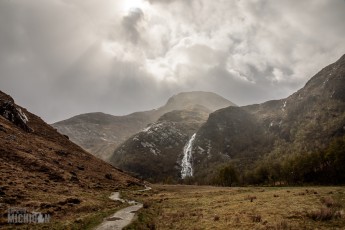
60	58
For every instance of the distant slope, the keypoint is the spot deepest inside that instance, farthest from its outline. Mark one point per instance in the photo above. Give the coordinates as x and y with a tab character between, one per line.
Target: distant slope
41	168
101	133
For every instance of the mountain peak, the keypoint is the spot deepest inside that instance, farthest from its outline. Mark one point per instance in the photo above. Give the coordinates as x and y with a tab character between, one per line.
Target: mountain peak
209	100
329	82
342	59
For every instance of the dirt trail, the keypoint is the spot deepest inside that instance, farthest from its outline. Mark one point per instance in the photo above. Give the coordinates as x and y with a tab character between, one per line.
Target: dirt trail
123	217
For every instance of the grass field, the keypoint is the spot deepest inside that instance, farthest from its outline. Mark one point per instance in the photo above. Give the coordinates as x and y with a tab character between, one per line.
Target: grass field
202	207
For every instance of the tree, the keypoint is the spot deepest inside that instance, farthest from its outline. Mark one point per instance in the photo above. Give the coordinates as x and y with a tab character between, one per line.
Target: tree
226	176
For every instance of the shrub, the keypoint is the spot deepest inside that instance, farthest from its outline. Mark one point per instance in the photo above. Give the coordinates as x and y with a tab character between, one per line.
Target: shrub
324	214
146	205
256	218
283	225
251	198
329	202
216	218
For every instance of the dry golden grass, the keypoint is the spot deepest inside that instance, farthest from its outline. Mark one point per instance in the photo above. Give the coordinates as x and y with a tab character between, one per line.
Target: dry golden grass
194	207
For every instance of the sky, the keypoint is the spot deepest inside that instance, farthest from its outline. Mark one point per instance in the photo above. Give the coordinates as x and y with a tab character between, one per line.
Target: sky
61	58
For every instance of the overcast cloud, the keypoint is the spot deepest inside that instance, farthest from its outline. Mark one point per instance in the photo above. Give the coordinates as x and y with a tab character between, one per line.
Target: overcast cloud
60	58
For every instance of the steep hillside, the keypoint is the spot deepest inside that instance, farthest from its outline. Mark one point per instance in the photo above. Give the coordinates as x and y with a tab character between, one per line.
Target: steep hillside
42	170
101	133
156	152
303	123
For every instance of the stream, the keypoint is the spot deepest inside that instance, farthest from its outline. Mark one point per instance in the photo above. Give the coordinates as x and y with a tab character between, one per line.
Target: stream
124	216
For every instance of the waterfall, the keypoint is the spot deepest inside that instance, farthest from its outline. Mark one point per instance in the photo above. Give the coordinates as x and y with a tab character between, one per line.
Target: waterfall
187	169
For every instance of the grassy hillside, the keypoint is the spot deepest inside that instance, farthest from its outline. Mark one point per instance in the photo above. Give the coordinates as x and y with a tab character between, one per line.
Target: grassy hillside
42	171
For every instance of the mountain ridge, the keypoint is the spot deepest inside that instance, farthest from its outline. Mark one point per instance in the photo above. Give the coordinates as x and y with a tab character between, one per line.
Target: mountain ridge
307	121
95	135
304	122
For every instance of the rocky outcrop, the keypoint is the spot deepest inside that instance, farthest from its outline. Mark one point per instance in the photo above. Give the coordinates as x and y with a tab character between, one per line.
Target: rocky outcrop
14	114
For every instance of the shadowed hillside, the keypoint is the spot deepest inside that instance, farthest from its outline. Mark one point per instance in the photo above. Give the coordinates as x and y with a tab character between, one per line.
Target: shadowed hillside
303	124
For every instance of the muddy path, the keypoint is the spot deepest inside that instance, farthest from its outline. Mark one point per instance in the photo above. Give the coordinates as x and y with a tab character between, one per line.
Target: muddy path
124	216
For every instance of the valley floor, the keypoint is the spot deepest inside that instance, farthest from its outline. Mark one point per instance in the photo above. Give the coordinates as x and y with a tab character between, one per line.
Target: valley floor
203	207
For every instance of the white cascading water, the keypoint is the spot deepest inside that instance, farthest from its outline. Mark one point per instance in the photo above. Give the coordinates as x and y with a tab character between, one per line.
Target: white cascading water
187	169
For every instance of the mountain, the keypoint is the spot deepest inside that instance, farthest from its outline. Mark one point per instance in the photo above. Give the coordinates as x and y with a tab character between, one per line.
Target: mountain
265	140
101	133
304	123
43	171
155	153
180	101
